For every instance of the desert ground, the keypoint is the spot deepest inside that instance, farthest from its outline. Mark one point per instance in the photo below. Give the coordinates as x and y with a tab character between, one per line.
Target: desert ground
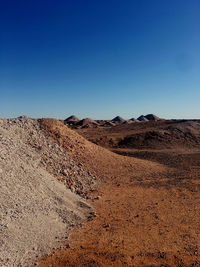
110	193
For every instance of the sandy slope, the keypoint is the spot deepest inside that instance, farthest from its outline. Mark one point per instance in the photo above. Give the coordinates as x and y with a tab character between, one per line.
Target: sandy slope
95	158
37	210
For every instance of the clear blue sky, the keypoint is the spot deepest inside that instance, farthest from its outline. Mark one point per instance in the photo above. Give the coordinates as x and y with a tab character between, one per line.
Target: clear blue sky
100	58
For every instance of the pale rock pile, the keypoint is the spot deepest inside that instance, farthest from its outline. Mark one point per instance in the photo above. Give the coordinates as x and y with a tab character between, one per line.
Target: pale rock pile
36	210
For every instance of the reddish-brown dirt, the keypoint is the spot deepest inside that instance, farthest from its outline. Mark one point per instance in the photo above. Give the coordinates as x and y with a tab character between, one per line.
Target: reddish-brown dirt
147	213
147	135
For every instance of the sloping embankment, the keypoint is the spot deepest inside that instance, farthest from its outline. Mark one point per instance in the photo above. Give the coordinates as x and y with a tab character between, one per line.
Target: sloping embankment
37	211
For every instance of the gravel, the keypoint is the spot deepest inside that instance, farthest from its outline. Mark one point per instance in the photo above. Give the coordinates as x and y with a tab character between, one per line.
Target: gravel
38	182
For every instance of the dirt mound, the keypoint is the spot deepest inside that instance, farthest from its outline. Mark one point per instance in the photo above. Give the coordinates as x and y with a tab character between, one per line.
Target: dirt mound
71	120
86	123
152	117
96	159
142	118
108	123
37	211
190	127
134	120
127	122
186	134
89	123
118	119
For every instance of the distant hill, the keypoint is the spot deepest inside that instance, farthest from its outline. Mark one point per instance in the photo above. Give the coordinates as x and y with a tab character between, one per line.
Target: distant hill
152	117
118	119
108	123
180	134
71	120
87	122
142	118
134	120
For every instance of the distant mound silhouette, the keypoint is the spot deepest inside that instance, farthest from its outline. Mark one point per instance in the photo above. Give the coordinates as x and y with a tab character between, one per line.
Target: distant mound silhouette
142	118
127	122
118	119
134	120
152	117
108	123
72	119
87	122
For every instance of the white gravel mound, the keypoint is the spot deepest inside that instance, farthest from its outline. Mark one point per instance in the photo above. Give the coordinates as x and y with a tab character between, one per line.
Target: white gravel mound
36	210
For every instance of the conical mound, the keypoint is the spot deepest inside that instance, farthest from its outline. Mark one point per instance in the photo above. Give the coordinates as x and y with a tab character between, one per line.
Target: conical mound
152	117
71	119
118	119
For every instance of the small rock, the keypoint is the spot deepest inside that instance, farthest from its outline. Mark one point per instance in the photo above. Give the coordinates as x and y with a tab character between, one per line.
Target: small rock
105	225
65	172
